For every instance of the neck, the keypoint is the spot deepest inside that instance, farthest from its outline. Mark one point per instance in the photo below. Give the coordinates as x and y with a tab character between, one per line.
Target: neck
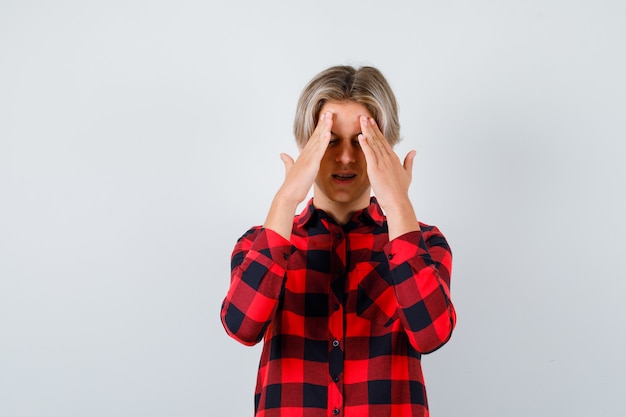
339	211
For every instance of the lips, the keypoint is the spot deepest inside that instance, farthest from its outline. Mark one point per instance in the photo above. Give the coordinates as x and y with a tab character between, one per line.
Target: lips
344	176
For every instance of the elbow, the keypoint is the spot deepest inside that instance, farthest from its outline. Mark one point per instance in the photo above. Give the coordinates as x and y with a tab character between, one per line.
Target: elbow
435	336
240	328
247	338
431	344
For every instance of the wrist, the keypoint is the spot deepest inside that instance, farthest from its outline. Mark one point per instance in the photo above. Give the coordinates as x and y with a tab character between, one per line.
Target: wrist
401	219
286	199
281	213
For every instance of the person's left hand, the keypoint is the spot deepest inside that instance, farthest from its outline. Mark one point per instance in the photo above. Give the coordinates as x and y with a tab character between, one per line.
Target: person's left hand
390	179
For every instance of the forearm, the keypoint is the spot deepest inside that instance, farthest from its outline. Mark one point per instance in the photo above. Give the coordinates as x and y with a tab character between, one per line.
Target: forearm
401	218
259	263
429	317
421	265
281	213
246	317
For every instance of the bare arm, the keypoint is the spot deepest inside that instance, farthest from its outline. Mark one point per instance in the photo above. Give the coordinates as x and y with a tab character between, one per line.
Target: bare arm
390	179
299	178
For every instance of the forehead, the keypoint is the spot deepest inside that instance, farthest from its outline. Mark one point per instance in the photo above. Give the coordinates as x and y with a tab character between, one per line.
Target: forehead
345	109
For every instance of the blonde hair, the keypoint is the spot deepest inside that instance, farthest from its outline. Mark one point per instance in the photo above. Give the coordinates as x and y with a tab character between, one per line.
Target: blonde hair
365	85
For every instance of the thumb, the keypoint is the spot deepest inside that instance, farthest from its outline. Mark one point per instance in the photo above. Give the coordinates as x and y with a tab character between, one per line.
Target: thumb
288	161
408	162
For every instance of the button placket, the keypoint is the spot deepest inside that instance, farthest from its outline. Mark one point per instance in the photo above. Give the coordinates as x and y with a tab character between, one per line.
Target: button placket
337	281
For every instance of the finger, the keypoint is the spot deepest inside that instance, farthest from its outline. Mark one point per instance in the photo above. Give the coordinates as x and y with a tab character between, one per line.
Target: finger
322	133
366	127
408	162
288	161
384	143
327	127
370	157
375	137
325	122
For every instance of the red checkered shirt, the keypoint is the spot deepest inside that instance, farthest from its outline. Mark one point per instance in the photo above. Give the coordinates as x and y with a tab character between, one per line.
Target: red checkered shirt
344	314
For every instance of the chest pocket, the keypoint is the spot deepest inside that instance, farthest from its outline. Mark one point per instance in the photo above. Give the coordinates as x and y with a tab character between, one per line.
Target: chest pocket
373	297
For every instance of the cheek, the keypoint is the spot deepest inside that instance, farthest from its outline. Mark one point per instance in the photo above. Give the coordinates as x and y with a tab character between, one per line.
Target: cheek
327	158
325	165
360	157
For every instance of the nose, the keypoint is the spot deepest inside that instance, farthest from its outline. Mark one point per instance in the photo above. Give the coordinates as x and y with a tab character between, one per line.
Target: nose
345	152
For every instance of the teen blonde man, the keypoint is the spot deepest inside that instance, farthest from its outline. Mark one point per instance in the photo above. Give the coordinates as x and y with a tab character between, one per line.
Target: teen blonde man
347	295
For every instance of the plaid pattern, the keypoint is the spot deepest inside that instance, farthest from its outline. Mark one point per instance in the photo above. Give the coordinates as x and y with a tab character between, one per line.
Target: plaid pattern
344	314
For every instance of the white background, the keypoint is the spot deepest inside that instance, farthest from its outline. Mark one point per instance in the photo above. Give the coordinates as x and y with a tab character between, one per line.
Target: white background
140	139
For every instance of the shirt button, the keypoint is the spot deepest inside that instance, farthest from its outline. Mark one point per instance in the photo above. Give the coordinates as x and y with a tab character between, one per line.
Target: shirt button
336	379
390	256
336	307
335	343
339	236
336	411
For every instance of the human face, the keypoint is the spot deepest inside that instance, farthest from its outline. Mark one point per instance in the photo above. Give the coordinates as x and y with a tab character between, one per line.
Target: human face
342	186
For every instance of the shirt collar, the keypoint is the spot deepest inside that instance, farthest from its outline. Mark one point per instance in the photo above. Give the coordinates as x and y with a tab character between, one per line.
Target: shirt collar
371	214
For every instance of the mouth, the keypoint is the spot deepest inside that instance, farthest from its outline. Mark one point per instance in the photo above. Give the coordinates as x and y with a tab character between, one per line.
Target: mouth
345	177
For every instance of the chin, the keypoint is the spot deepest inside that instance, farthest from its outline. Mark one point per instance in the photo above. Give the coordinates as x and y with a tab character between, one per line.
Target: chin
351	199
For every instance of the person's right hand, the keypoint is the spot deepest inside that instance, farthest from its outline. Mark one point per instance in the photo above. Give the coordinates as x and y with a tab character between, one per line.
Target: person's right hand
299	178
300	175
